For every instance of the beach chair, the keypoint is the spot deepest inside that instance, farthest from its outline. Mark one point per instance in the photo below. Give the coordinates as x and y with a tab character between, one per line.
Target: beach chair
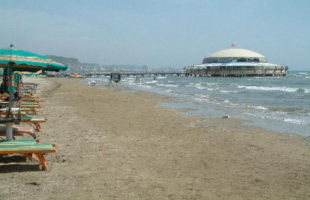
26	119
32	103
15	110
14	113
34	120
30	99
14	135
19	133
31	107
29	149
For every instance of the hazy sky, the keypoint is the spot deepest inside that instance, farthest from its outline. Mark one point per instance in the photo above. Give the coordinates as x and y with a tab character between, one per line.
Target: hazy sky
158	33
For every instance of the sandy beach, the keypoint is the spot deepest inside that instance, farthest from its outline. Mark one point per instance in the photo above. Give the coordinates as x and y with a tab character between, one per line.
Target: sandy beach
113	145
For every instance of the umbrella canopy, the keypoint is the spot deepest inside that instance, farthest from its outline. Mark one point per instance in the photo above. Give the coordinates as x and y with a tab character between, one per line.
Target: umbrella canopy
21	60
18	60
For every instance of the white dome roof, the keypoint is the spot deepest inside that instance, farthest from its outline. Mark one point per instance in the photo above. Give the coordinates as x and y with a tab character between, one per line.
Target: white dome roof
235	53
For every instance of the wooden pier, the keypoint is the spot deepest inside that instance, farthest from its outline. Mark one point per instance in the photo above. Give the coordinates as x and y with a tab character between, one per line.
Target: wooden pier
214	72
157	73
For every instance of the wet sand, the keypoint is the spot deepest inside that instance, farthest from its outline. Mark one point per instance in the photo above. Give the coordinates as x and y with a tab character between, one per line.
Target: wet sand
114	145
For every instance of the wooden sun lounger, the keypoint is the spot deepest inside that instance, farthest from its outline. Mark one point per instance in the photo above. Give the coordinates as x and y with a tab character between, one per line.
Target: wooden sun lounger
22	113
28	148
24	103
31	107
35	120
29	99
27	95
19	134
30	103
14	135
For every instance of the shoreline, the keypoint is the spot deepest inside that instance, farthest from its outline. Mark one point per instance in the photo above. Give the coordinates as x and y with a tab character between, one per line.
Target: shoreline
115	145
213	99
271	125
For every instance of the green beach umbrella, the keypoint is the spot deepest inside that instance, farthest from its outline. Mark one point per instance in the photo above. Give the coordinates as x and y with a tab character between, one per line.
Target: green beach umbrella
19	60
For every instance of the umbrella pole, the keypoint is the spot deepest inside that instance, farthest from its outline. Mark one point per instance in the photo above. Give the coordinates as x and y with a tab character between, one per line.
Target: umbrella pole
9	126
10	88
17	86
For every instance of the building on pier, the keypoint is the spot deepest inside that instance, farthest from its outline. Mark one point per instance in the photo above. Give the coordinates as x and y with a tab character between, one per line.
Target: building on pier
236	62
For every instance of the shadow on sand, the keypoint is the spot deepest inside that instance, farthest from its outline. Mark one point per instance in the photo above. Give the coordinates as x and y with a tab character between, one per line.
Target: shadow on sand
6	165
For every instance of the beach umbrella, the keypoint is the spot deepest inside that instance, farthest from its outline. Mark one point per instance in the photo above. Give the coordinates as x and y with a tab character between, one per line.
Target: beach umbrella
19	60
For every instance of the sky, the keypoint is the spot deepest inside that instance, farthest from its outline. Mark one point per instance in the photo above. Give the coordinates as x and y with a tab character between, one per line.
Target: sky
158	33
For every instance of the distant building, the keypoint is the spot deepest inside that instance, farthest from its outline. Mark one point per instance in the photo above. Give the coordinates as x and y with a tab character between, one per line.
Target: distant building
236	62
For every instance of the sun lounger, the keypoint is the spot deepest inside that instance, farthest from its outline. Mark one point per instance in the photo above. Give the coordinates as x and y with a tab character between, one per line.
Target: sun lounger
30	99
30	103
31	107
14	135
15	110
28	148
18	131
35	120
22	113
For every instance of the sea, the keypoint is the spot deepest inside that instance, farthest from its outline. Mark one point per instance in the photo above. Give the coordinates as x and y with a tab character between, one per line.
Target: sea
275	103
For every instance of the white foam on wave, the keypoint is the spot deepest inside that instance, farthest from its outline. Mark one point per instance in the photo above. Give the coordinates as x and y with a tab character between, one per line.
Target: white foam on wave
294	121
278	118
202	95
201	99
145	86
200	87
151	81
171	86
225	91
307	91
284	89
260	107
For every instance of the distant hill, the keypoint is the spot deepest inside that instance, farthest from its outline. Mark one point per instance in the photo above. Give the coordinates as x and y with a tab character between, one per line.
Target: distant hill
75	66
64	60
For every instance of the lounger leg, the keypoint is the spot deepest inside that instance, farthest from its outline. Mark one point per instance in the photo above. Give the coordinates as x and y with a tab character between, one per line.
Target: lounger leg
38	126
30	156
34	111
42	160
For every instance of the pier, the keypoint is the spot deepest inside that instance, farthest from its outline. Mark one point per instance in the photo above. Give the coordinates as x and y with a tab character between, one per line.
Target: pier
213	72
155	73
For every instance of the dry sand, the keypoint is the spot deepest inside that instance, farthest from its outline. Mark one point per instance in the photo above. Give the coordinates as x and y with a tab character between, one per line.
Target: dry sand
115	145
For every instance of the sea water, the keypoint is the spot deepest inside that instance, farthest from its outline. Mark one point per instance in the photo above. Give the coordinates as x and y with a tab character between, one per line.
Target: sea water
275	103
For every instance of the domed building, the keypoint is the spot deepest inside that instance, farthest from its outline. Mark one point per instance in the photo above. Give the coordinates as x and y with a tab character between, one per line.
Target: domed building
236	62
